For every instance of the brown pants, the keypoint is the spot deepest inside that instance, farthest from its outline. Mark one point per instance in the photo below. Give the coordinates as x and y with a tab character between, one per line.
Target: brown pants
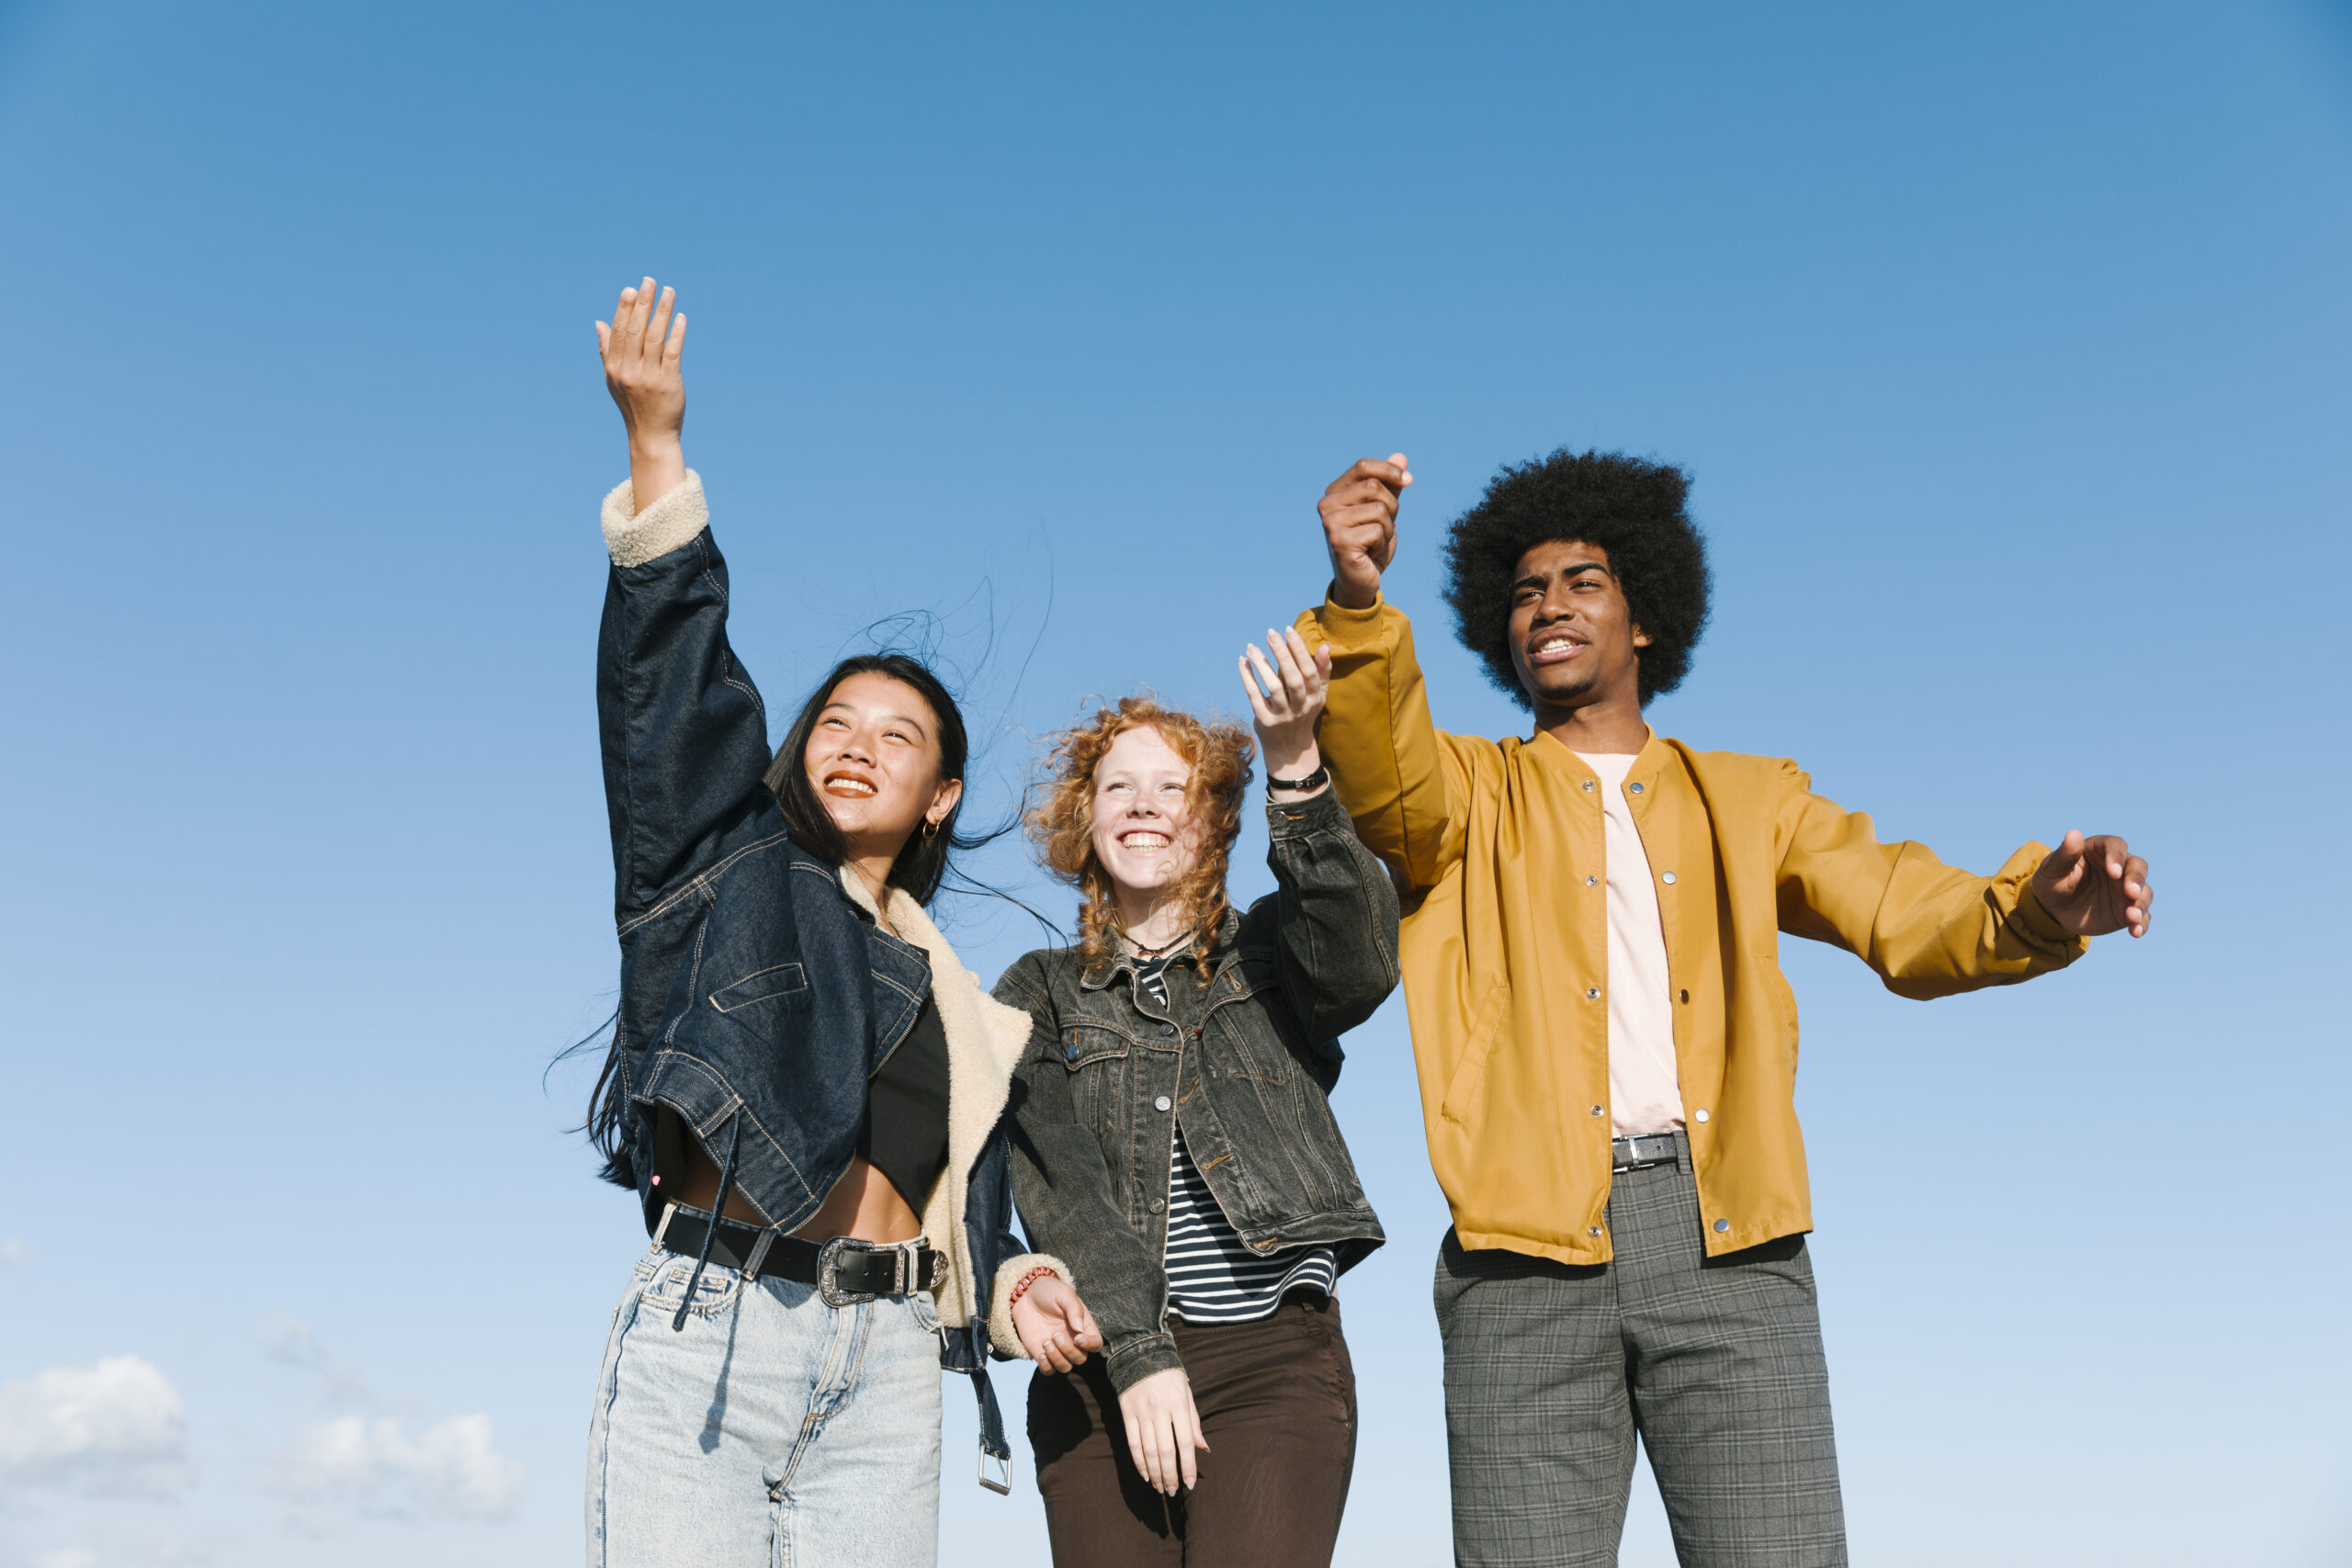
1277	1400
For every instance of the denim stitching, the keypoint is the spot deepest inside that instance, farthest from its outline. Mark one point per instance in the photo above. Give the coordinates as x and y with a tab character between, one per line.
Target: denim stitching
705	880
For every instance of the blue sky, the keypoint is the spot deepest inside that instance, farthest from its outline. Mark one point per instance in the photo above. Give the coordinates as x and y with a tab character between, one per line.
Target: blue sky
2006	346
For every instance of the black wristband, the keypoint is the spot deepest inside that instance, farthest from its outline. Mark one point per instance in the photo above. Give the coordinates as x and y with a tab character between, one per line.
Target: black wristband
1321	776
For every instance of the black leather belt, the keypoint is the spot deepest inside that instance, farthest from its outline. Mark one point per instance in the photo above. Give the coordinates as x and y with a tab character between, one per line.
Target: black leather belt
1642	1151
845	1271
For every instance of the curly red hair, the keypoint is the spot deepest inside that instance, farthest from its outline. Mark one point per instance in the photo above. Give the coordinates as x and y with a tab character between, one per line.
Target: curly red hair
1062	827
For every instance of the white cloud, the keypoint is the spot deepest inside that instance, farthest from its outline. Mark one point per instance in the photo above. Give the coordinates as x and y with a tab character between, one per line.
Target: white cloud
68	1557
16	1249
115	1428
450	1471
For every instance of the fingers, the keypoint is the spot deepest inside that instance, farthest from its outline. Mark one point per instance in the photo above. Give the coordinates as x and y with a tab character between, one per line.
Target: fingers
656	329
675	345
1163	1451
604	339
1287	662
1135	1446
620	312
1258	708
1189	1441
1277	693
1084	1330
1391	473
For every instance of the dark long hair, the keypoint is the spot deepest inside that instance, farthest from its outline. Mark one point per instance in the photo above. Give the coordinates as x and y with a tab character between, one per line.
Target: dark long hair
922	864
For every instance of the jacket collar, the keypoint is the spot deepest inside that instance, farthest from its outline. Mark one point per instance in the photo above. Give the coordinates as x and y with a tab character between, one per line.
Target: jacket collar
1655	757
1102	971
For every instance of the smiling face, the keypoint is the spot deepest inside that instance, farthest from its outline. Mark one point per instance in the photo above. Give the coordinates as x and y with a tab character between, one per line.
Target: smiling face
1145	834
873	759
1573	639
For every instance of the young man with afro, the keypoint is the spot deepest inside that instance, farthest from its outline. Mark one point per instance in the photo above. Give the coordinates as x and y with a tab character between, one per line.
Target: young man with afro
1606	1045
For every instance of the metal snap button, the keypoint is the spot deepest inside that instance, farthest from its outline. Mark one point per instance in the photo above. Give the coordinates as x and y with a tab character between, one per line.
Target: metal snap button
1635	789
1700	1115
1592	993
1722	1225
1167	1029
1594	1231
1587	786
1158	1204
1670	879
1684	994
1161	1103
1596	1111
1592	882
1073	1053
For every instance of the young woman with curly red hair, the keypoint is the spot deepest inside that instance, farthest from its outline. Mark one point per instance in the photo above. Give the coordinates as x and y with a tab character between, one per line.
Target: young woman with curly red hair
1174	1144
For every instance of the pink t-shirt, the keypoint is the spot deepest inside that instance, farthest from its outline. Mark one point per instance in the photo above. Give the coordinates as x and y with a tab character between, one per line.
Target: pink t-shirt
1645	1087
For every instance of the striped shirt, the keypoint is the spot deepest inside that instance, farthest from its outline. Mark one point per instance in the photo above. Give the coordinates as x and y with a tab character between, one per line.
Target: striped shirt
1212	1277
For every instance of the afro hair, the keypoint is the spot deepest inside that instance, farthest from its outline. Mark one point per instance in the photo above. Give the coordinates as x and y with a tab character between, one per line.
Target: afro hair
1630	507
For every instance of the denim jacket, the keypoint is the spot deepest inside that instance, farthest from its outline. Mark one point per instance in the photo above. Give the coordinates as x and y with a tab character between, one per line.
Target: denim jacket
1243	1062
757	994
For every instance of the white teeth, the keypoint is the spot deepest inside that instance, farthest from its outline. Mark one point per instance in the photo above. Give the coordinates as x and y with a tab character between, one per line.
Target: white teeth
858	785
1144	840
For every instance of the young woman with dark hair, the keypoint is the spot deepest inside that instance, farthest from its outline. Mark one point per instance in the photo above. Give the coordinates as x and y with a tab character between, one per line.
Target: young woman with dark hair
804	1088
1175	1141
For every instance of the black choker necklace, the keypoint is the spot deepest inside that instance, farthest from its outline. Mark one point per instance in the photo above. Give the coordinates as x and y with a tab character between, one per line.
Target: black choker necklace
1148	953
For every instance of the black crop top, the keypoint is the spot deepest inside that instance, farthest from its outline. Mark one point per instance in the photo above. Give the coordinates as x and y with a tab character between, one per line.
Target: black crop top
905	1134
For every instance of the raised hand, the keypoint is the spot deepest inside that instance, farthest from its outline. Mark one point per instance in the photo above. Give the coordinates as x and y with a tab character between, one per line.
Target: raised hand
1359	527
1164	1431
1054	1327
2094	886
1286	694
641	346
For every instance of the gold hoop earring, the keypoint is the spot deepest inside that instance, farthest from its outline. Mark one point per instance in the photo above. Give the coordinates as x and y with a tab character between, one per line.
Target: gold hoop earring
929	830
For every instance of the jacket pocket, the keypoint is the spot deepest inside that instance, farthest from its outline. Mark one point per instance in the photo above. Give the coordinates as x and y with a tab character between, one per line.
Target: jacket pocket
760	985
1466	1096
1096	1059
1086	1043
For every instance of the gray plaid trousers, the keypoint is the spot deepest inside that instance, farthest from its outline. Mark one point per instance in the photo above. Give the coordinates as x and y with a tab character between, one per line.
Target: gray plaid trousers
1551	1370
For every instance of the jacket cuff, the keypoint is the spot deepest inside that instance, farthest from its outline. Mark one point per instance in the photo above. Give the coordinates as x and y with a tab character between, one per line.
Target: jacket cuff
635	538
2040	924
1317	814
1008	1274
1143	1357
1344	628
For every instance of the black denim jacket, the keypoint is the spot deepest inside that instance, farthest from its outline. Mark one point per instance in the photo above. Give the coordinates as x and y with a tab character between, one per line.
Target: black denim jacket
1244	1062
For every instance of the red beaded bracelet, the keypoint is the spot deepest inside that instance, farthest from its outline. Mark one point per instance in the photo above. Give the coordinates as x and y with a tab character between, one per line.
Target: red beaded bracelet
1021	1285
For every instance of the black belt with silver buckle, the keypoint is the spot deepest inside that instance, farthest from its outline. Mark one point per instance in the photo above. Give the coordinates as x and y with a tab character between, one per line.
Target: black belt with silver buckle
845	1271
1642	1151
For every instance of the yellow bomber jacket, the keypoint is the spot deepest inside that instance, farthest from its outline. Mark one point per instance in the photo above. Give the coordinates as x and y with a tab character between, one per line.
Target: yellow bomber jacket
1497	847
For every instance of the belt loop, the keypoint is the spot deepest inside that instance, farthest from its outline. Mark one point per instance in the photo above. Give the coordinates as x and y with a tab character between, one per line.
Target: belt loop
1683	1150
669	1211
758	1254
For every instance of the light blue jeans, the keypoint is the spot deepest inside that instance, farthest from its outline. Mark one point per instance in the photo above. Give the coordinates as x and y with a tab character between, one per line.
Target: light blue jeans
773	1430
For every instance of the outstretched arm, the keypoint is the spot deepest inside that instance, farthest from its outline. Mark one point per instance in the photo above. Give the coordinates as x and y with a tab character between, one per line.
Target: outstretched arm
684	734
1333	916
1389	762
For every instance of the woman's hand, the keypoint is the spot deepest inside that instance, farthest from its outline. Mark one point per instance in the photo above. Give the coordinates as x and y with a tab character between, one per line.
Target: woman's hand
1054	1327
1164	1431
641	346
1286	696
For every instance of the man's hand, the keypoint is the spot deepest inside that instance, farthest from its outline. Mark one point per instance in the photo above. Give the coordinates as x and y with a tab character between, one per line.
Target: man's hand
641	346
1054	1327
1359	527
2093	886
1164	1431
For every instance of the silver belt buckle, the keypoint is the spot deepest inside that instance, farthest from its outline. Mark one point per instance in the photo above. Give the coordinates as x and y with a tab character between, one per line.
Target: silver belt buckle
829	1289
